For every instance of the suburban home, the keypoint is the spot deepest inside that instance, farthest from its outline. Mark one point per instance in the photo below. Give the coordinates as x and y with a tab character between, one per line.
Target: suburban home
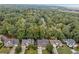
70	42
9	42
56	42
42	43
4	38
26	42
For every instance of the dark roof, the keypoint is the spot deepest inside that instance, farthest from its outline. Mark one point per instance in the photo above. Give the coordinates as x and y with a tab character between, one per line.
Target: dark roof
42	42
4	38
15	41
11	42
27	41
70	42
56	42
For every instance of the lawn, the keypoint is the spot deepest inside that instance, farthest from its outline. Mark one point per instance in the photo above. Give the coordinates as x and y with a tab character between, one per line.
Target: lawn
64	50
18	49
45	51
30	51
4	50
76	48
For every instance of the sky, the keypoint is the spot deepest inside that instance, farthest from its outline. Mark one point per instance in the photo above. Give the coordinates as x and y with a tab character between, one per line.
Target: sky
39	1
69	5
65	2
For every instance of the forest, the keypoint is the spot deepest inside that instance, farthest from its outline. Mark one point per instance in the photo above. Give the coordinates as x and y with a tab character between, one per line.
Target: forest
37	23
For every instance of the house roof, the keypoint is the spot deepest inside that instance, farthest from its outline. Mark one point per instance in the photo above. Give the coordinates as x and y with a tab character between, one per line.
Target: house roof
56	42
14	41
27	41
4	38
42	42
70	42
11	42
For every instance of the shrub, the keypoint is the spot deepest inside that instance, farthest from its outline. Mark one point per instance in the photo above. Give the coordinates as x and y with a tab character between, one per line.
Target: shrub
1	44
32	46
18	49
49	48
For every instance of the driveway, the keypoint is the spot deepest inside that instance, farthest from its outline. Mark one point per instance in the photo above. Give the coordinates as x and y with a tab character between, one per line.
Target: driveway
74	51
39	50
23	49
13	50
54	49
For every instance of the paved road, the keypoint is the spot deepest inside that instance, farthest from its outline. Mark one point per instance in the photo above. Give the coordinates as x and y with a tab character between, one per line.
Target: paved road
13	50
54	49
23	49
39	50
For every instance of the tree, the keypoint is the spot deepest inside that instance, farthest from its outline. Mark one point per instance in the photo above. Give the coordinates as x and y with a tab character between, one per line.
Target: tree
18	49
20	26
49	48
32	46
1	44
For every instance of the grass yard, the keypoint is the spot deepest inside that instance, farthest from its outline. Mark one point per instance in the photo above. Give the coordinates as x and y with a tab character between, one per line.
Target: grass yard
45	52
30	51
4	50
64	50
76	48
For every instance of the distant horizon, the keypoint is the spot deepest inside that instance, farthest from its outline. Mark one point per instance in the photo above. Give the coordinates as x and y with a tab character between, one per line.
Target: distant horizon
62	5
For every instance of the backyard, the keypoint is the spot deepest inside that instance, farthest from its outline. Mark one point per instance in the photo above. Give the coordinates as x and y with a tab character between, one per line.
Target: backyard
64	50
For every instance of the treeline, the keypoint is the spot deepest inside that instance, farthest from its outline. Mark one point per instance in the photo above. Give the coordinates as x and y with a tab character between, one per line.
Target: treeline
39	23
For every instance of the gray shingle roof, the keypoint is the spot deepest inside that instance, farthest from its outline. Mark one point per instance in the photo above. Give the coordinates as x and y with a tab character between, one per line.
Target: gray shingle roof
56	42
26	42
9	43
43	42
70	42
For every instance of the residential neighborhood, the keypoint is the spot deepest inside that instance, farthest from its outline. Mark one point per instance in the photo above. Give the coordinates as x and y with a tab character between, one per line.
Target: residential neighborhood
27	46
39	29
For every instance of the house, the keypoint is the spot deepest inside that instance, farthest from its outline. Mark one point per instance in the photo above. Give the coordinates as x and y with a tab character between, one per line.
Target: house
26	42
15	42
70	42
42	43
4	38
11	42
56	42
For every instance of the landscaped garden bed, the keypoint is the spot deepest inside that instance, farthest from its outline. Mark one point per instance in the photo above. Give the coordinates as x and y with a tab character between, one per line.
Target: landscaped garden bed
64	50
